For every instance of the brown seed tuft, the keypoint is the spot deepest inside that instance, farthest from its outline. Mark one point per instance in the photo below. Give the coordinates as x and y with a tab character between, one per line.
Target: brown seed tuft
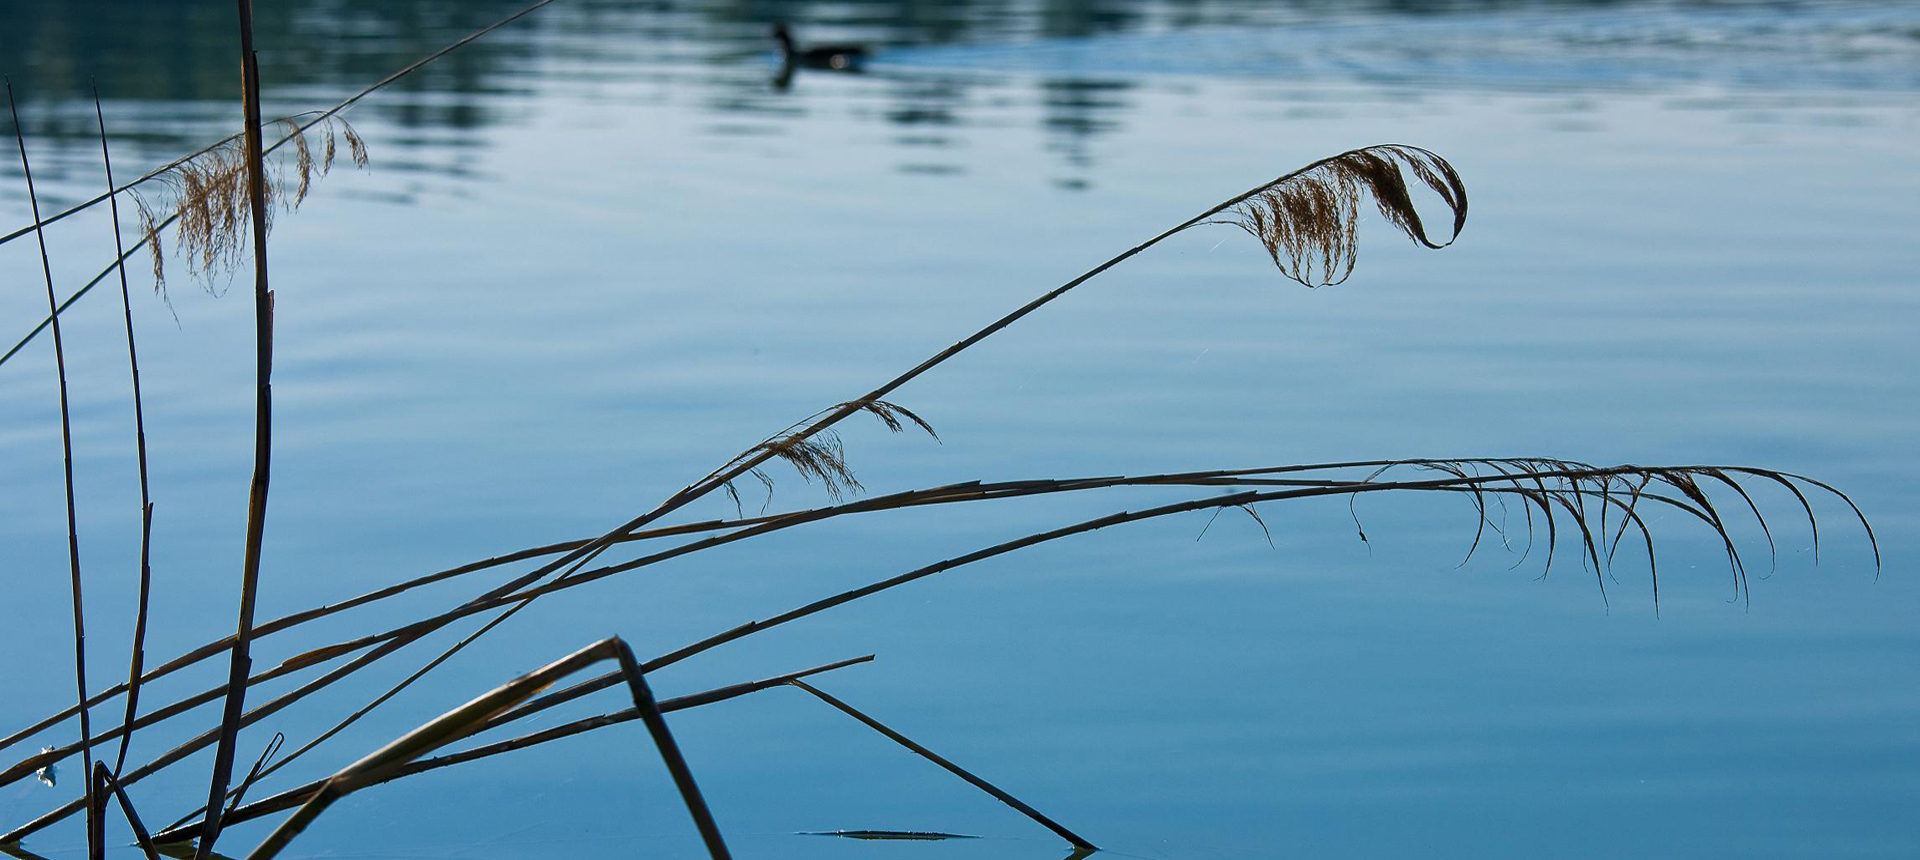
1307	221
209	196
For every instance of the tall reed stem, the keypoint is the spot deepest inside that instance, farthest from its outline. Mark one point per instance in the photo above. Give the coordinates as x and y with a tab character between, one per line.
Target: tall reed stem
136	663
95	846
242	662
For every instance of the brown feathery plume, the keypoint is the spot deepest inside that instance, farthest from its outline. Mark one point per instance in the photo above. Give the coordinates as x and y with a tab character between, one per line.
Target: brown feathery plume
825	458
303	161
822	457
1307	221
208	196
891	413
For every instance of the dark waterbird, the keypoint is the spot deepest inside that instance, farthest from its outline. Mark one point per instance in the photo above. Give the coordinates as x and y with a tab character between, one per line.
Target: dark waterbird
835	57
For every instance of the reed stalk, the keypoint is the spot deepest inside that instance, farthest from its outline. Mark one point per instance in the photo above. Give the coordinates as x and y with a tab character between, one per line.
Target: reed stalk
295	796
466	719
1598	484
976	781
948	494
104	787
95	838
240	666
137	660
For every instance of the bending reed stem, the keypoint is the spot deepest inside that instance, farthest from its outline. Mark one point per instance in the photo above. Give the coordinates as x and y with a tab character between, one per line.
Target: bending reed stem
95	838
138	659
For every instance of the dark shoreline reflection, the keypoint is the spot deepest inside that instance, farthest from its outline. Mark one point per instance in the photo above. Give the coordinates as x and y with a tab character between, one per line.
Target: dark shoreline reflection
165	68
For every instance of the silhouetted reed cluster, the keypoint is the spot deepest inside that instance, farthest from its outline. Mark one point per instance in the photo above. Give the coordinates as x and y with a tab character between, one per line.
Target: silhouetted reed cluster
222	198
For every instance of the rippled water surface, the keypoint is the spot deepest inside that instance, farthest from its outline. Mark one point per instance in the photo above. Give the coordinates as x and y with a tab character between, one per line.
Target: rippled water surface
599	251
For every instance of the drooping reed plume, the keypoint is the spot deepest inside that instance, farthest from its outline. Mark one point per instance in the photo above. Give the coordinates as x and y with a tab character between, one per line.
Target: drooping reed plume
1308	223
208	196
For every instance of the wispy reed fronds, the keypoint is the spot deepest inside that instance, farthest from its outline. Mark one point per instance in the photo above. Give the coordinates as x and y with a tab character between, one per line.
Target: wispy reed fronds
152	223
313	118
823	456
208	195
1308	221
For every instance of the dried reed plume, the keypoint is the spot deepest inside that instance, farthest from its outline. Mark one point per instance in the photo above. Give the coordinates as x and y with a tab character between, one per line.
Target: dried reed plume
823	456
1308	221
207	195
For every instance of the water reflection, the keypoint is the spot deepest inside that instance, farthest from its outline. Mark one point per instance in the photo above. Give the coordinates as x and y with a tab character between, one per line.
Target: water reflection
629	293
166	64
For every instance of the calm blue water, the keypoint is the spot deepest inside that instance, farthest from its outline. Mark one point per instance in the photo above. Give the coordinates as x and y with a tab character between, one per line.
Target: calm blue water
597	254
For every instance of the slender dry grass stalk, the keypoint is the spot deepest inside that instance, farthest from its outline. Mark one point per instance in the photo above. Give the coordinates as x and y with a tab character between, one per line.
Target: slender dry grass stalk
466	719
977	782
137	660
1558	487
95	837
106	787
1623	486
790	445
257	196
88	287
203	188
296	796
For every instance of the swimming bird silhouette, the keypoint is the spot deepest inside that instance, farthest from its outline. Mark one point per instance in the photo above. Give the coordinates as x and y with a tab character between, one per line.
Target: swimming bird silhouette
836	57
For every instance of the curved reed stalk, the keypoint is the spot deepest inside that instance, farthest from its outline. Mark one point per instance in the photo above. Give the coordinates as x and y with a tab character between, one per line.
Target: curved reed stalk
992	790
1556	487
293	797
138	658
95	844
805	449
464	720
1614	483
